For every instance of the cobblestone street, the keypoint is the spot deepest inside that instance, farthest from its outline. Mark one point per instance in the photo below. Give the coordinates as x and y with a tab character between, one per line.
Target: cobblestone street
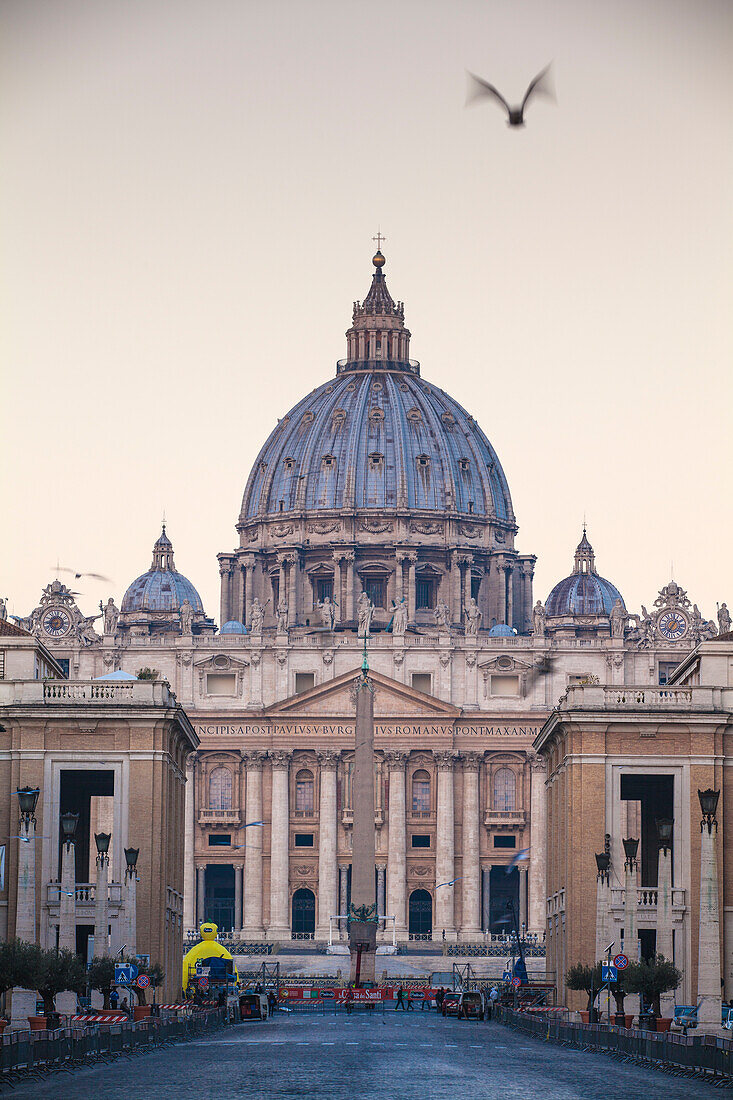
365	1057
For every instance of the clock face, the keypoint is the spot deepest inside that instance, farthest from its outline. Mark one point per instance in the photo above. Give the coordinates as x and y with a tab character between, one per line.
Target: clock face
56	622
672	625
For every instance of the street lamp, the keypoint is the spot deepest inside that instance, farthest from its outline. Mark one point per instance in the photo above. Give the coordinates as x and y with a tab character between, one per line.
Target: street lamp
27	798
603	862
631	846
102	841
664	832
708	805
69	823
131	855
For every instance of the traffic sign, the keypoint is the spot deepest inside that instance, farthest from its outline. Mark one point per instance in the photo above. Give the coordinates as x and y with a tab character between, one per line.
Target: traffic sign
124	974
621	962
143	981
516	982
609	973
203	983
328	994
506	976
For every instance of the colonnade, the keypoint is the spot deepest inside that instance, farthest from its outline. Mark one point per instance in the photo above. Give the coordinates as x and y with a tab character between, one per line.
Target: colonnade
469	879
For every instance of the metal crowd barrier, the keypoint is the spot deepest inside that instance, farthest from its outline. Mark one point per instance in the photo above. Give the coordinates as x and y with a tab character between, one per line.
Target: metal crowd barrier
695	1054
25	1051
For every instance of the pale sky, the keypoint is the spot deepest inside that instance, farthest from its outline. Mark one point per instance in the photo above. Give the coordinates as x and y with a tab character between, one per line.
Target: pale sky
188	196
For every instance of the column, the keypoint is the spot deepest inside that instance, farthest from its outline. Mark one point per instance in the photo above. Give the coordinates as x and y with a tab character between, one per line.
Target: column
101	918
411	588
25	906
189	844
327	865
252	928
238	876
381	890
225	575
445	849
200	894
509	574
664	919
522	896
486	899
631	935
455	584
293	590
399	577
343	899
538	843
349	559
471	872
501	591
279	928
467	563
67	898
249	580
131	910
397	850
708	958
282	591
338	596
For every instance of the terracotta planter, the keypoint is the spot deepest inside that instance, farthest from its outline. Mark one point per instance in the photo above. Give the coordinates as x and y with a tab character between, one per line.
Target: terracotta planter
584	1016
663	1023
3	1025
140	1012
629	1018
37	1023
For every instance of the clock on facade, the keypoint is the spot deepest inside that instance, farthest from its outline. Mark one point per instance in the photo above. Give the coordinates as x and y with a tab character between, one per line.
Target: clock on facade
672	625
56	622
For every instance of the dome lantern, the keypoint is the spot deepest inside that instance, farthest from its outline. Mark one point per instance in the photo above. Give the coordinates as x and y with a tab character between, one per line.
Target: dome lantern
378	338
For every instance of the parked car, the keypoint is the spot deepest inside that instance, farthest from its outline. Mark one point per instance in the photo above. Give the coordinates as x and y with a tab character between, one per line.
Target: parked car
451	1002
253	1006
471	1005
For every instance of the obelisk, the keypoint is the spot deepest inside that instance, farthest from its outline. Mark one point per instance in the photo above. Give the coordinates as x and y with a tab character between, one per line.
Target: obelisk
363	915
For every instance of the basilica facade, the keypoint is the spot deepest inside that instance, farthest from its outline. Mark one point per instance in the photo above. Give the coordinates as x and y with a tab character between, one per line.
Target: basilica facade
376	515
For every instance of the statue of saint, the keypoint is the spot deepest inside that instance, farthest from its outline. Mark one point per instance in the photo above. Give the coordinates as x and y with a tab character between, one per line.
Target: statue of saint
327	609
618	619
86	632
365	610
4	610
111	615
186	614
538	619
473	618
399	618
723	619
441	614
282	617
257	616
647	629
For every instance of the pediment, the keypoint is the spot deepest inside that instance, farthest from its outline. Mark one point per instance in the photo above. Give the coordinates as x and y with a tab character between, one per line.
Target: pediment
221	662
506	663
392	699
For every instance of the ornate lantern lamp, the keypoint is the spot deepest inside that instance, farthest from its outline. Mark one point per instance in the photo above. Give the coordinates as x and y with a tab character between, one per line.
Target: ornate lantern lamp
69	823
102	841
603	862
664	832
631	847
27	798
708	805
131	855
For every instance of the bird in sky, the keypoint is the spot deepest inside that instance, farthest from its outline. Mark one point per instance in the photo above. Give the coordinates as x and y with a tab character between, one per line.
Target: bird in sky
479	88
250	823
452	882
519	858
78	576
28	839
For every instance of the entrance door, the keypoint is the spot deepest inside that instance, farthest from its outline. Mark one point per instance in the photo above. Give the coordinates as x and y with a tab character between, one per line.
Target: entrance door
421	913
503	888
304	913
219	896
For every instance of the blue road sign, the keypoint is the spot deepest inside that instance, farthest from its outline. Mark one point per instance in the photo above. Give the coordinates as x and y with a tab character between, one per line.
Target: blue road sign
609	973
125	974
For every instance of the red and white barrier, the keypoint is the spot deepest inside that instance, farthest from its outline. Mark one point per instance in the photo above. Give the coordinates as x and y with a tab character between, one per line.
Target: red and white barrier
107	1018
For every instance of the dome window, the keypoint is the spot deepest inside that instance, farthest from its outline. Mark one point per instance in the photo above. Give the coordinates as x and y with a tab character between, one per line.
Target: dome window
423	461
329	460
414	415
376	414
464	464
307	417
289	463
376	460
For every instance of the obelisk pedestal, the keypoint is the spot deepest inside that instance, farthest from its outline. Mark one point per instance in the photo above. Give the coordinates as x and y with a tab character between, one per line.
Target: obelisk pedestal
363	909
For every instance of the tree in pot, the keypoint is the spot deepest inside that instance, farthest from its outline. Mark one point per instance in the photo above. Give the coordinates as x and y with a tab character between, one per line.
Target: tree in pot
16	966
101	976
587	979
53	972
619	990
154	971
651	978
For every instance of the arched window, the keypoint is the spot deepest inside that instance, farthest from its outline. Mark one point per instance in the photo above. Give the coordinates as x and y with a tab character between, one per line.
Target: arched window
304	792
505	789
220	789
421	792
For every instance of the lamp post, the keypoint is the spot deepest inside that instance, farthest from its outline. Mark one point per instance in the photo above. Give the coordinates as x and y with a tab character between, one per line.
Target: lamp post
603	864
631	936
101	920
665	945
25	906
131	855
67	897
708	958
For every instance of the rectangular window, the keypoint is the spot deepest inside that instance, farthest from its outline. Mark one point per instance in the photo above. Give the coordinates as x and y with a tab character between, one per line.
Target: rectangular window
304	840
425	593
220	840
2	664
475	586
376	590
505	842
275	582
304	681
324	588
221	683
505	685
420	840
666	668
422	681
63	663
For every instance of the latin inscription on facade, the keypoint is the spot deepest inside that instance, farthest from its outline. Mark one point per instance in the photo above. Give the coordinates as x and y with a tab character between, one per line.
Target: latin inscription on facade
346	729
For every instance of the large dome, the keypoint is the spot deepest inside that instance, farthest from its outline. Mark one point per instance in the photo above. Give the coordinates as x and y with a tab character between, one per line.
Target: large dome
584	592
162	588
378	439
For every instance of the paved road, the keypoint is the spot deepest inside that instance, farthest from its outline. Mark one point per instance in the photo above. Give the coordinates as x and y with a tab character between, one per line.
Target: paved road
412	1056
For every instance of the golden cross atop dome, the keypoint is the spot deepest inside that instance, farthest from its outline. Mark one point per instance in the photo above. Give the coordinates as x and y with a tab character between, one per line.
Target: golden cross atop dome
379	238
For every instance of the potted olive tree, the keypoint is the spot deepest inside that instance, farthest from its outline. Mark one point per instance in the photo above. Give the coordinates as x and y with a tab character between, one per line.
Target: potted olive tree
587	979
156	974
52	972
15	968
101	976
651	978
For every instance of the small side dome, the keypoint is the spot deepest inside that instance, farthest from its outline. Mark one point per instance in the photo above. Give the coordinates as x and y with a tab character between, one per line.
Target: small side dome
233	627
584	592
501	630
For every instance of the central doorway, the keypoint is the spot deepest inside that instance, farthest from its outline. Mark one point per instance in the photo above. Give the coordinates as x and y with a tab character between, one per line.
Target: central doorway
304	913
421	913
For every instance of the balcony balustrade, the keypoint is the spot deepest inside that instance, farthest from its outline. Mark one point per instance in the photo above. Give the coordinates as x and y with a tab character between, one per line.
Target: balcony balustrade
219	817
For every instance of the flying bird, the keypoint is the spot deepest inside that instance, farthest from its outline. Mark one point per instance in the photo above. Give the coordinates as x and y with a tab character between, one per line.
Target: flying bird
78	576
541	85
452	882
519	858
28	839
250	823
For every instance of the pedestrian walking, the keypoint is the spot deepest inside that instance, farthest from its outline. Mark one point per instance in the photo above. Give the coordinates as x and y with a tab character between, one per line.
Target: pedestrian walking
113	998
426	1001
410	1002
440	994
400	1002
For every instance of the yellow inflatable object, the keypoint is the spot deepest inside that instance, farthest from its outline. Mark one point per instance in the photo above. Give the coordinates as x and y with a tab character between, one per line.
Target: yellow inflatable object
209	948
